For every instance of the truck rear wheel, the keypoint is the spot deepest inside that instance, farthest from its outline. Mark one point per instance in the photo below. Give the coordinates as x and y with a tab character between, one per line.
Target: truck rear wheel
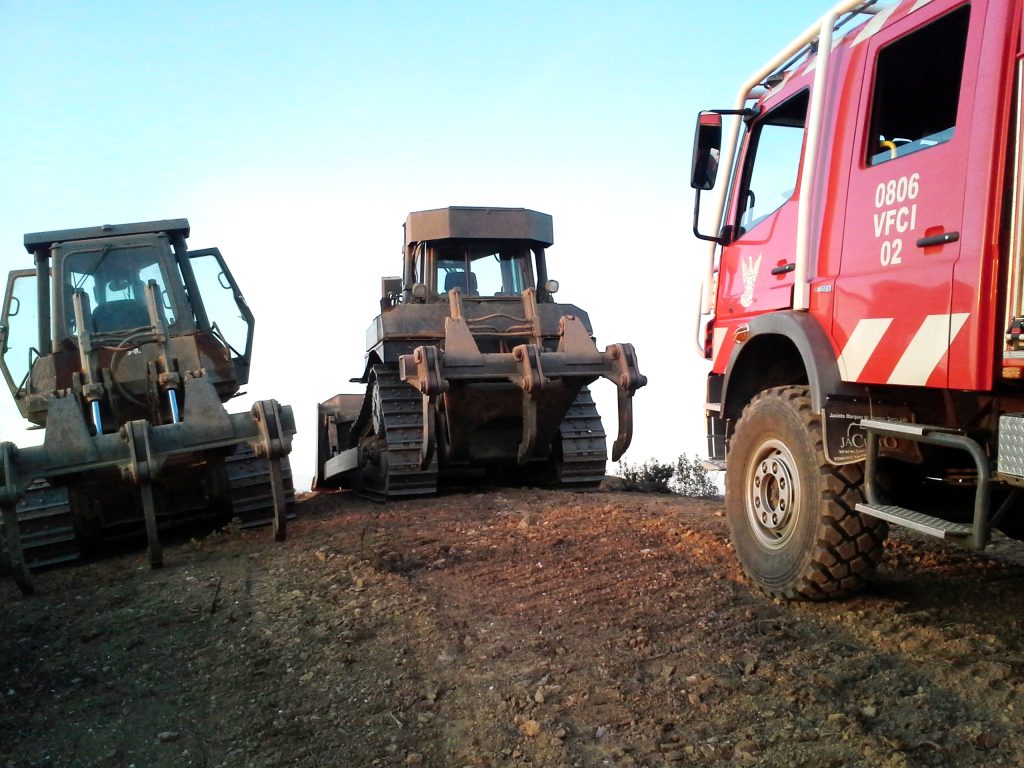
792	514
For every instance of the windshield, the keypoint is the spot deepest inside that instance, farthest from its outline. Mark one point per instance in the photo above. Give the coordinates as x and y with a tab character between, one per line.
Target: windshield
114	280
483	269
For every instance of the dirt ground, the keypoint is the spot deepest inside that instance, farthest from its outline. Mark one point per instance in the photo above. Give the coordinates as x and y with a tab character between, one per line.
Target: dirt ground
507	628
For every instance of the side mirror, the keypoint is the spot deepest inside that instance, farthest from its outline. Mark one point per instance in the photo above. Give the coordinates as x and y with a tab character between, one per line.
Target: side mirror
707	143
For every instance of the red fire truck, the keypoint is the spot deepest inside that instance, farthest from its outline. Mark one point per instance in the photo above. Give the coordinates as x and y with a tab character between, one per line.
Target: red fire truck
864	294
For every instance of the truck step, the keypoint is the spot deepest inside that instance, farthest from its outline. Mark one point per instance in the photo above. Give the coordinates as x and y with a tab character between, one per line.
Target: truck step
908	518
903	428
713	465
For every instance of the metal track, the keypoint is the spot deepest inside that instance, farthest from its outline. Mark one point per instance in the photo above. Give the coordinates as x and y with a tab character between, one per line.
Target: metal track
398	414
252	498
584	453
46	527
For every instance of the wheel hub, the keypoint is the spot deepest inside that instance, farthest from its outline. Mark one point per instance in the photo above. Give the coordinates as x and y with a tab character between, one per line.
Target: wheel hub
773	493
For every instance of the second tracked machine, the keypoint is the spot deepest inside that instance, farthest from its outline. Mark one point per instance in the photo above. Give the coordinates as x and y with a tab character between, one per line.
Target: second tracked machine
473	371
124	345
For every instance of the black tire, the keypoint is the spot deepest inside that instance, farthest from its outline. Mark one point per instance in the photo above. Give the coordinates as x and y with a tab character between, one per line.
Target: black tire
792	514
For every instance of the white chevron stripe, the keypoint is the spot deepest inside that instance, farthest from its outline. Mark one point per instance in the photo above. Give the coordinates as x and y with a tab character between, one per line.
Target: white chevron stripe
861	345
717	337
876	23
918	5
926	349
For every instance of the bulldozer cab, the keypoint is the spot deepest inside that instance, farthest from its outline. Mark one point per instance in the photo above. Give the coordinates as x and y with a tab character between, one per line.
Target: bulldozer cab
111	290
485	253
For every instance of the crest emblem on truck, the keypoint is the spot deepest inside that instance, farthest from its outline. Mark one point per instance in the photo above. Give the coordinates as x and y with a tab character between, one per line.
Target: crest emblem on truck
750	267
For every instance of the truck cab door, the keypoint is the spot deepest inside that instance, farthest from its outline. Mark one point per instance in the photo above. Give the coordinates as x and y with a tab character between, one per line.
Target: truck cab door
755	272
230	317
903	233
19	329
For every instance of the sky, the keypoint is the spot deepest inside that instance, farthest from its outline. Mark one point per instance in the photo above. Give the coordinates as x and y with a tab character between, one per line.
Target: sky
296	137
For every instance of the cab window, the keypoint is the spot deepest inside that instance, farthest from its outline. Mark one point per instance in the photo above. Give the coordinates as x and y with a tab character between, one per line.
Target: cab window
917	89
226	310
114	280
773	161
20	329
484	270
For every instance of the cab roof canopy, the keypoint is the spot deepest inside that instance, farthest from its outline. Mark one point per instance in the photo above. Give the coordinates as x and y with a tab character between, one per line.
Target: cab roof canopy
460	222
35	241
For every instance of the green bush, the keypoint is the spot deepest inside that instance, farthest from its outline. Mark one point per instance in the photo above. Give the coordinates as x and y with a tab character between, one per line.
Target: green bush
691	479
687	477
650	476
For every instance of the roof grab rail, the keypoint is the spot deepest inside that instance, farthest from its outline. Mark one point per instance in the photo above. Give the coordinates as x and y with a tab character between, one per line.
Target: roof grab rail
817	40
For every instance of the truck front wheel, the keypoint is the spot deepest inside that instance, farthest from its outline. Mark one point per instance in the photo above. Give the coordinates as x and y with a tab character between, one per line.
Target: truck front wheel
792	514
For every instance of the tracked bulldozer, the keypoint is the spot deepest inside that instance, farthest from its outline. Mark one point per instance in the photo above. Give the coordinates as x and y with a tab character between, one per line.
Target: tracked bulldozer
472	369
124	345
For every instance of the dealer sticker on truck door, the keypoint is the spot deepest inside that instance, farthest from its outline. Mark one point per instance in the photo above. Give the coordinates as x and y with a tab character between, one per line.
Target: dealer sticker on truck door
845	441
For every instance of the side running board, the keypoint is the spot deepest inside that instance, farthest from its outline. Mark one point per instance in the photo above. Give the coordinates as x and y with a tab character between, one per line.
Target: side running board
974	535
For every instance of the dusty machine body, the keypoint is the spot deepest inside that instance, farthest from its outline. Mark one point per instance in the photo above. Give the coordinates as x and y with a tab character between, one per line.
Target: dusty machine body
124	345
864	304
472	368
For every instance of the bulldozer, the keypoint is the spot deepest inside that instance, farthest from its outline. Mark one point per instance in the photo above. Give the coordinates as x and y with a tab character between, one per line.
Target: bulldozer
473	371
124	345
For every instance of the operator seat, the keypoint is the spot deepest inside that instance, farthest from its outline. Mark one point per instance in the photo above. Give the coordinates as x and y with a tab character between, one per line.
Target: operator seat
119	316
464	281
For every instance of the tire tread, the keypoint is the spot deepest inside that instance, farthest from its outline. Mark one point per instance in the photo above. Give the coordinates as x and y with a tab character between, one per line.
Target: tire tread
848	547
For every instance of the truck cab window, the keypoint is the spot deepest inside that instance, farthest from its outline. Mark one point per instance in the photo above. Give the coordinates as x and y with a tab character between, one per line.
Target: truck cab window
773	163
917	89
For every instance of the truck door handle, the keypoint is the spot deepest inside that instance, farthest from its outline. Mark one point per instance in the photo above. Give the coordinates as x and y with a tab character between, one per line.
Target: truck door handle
781	270
945	237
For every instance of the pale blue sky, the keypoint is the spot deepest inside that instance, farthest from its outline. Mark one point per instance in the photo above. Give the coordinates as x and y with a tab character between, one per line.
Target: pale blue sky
297	136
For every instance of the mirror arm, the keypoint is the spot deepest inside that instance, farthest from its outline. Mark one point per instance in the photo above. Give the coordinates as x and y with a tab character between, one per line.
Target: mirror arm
696	219
746	114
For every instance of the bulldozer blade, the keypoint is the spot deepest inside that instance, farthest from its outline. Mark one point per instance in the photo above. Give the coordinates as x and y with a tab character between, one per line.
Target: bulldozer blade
346	461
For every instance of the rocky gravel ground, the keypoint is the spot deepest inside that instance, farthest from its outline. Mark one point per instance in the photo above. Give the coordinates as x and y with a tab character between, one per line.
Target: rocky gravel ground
508	628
